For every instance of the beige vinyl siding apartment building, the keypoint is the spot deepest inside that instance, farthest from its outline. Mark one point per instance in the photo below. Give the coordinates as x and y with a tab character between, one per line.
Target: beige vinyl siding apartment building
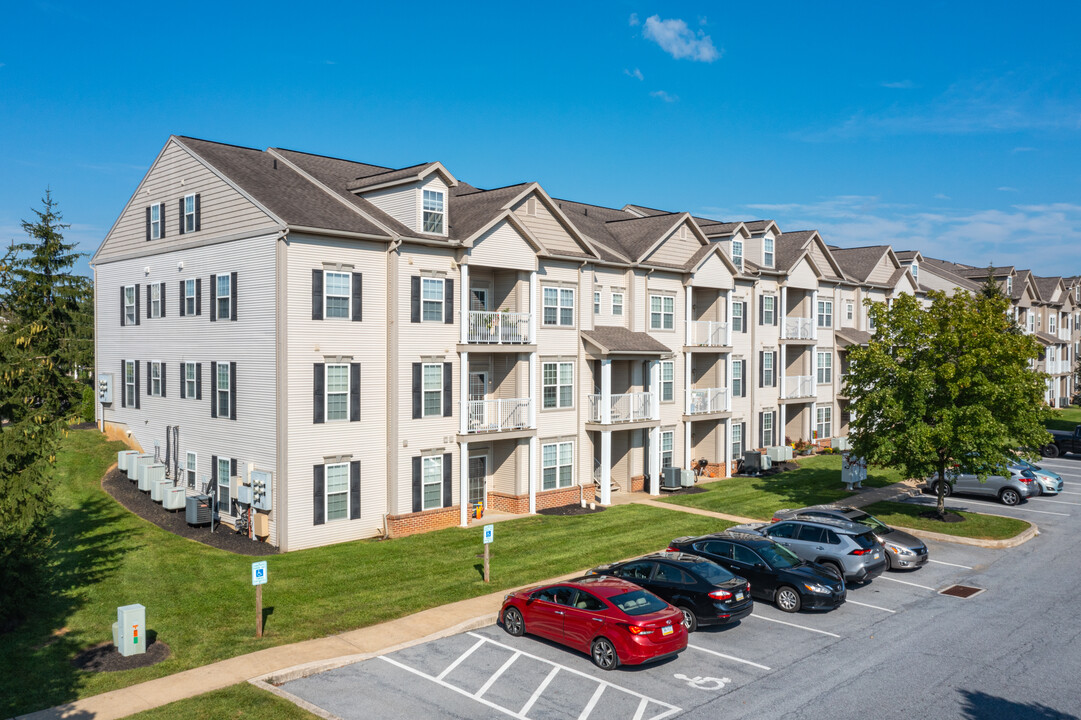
395	346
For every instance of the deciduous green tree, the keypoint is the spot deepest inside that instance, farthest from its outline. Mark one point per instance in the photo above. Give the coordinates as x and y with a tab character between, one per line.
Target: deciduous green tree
945	384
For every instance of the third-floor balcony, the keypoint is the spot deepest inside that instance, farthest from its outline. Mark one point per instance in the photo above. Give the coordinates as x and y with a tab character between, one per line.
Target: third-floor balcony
708	400
497	415
798	328
798	386
497	328
706	333
628	407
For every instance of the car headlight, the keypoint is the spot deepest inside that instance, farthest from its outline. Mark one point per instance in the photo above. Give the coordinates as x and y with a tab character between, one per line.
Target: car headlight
898	550
816	588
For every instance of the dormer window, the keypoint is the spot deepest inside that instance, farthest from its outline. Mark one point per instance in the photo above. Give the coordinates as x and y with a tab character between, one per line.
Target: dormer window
767	251
1009	286
433	211
915	272
737	253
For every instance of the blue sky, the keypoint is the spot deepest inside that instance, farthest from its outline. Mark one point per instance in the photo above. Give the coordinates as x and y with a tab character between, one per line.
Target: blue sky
952	128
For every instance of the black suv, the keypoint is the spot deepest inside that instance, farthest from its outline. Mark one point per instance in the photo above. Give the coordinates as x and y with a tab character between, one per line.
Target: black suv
776	573
705	592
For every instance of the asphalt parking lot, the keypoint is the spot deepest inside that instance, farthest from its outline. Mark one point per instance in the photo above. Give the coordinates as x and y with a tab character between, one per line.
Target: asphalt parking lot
897	648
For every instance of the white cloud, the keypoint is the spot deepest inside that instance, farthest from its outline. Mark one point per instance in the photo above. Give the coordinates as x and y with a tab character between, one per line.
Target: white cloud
1006	188
899	85
662	95
679	41
634	20
636	74
941	196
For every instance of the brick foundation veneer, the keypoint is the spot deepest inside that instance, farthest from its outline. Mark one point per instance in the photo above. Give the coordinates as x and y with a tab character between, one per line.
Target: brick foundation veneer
519	504
413	523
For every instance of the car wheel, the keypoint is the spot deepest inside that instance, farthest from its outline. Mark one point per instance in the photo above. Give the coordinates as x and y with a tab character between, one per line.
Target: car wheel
834	568
788	599
1009	496
513	622
1050	450
944	487
689	620
604	654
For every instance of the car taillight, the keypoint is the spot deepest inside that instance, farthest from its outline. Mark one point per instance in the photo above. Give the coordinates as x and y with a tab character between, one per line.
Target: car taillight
639	630
776	519
1025	479
859	551
721	595
671	549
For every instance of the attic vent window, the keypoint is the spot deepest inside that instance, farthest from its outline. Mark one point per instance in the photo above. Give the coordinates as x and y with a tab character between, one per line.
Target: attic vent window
531	206
433	211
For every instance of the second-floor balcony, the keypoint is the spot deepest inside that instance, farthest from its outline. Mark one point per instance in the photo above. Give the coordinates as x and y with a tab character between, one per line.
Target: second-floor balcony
497	415
798	386
497	328
627	407
708	400
797	328
706	333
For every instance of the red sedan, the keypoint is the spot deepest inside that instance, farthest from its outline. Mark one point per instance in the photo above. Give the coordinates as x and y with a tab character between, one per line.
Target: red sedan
613	620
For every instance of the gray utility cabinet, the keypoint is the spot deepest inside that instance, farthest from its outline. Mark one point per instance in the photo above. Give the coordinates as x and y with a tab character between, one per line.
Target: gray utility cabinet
197	511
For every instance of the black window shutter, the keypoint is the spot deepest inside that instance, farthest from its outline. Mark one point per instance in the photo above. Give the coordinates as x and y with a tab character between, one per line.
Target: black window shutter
232	303
232	391
198	213
198	381
448	384
148	223
776	311
213	475
448	490
147	302
149	372
448	301
317	294
743	381
745	318
136	303
762	429
418	489
183	381
161	291
213	298
417	369
354	392
198	296
163	382
232	467
319	495
162	219
761	370
318	389
183	310
123	306
181	216
358	297
761	309
213	389
136	363
354	489
123	383
168	444
414	299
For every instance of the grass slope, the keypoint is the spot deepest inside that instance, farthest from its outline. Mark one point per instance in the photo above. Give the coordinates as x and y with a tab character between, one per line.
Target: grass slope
976	525
1065	419
238	702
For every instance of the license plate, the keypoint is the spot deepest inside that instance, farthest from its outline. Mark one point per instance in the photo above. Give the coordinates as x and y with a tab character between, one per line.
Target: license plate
667	630
876	556
739	596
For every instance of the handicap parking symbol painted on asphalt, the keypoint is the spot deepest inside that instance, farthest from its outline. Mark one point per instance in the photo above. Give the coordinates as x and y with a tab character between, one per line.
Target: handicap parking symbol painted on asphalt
703	683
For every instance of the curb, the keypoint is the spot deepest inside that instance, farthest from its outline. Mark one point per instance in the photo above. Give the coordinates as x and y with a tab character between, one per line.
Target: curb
1022	537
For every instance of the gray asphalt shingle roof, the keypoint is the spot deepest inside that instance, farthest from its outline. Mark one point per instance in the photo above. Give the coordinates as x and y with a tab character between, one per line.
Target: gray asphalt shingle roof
615	339
857	263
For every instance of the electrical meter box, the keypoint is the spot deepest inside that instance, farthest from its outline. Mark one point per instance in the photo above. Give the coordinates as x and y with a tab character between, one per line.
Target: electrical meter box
260	489
105	388
129	633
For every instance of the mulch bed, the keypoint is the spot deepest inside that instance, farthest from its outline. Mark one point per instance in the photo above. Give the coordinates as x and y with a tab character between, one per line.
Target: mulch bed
106	658
572	509
950	517
127	493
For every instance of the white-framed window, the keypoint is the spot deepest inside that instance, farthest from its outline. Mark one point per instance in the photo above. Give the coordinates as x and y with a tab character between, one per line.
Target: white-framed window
225	465
825	313
737	316
432	481
767	251
668	380
870	321
1051	323
337	291
769	308
557	379
662	312
431	299
337	400
737	440
433	389
155	379
129	383
767	429
558	306
915	272
596	302
155	221
337	490
767	369
190	387
824	422
617	304
667	443
155	300
825	368
223	390
189	213
433	211
224	295
1031	320
557	465
189	296
737	378
191	465
1009	286
850	310
129	305
737	253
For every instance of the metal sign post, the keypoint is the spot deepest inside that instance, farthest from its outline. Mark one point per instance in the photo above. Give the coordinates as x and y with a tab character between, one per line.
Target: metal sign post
258	579
489	532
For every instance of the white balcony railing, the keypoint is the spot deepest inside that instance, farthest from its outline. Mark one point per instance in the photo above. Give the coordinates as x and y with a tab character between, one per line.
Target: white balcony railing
628	407
498	327
497	415
799	386
797	328
709	400
707	333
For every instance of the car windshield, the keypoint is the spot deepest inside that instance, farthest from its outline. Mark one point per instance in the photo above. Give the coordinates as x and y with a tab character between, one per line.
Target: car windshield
865	540
712	573
638	602
870	521
779	556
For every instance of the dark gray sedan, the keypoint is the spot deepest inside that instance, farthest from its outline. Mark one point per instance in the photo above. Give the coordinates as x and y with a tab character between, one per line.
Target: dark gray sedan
903	551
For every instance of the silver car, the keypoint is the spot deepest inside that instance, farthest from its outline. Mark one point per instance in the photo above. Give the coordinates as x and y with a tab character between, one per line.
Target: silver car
849	549
1012	490
903	551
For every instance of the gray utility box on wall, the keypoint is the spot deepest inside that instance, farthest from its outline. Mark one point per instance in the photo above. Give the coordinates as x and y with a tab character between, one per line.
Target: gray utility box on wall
129	630
122	459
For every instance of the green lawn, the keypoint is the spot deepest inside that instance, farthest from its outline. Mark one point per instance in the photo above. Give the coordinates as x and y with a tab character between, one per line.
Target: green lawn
1065	419
200	601
818	480
984	527
231	703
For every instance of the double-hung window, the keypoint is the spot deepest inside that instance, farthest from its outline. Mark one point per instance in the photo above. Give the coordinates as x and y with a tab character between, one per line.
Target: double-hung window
558	306
767	252
850	310
433	211
668	377
825	313
129	383
190	467
825	368
337	392
558	385
737	254
737	316
662	312
189	297
431	299
189	213
223	390
337	490
337	293
155	222
557	465
155	378
737	440
617	304
596	302
824	422
224	295
767	369
666	448
737	378
225	465
1051	323
767	429
432	479
769	308
915	272
191	389
155	299
433	390
129	305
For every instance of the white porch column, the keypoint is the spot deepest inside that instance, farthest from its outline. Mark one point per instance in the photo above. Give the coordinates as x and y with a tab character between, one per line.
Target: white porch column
814	314
782	421
688	315
532	393
463	393
533	307
728	378
727	446
687	444
534	460
813	422
606	391
655	389
463	270
463	483
782	311
779	371
654	461
688	381
728	317
606	467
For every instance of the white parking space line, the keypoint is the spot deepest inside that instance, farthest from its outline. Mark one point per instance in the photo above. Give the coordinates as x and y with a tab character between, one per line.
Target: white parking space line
1068	492
540	689
939	562
905	582
873	607
729	657
495	676
1057	502
592	703
455	688
463	656
1044	512
801	627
